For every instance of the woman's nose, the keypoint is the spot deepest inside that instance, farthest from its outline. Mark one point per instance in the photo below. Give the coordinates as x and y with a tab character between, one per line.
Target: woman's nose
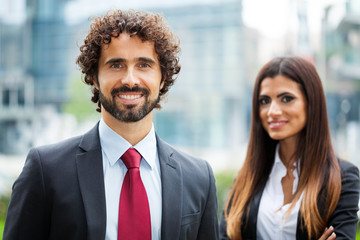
274	109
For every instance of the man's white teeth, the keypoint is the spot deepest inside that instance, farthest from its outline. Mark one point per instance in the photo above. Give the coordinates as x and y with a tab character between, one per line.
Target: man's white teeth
129	97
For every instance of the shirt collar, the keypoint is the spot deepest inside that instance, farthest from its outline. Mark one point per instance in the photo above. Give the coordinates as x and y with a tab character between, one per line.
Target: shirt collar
148	147
114	145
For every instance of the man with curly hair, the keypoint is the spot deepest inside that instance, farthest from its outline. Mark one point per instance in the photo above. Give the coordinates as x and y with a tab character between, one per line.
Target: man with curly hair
80	188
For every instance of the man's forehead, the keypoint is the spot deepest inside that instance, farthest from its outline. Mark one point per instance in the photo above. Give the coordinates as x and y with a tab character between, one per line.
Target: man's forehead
126	38
129	48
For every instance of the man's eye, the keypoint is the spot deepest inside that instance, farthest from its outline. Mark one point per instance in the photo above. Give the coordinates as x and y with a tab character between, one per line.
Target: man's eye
287	99
116	65
263	101
144	65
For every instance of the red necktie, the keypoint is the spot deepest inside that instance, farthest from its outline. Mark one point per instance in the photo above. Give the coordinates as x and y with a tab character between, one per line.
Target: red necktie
134	213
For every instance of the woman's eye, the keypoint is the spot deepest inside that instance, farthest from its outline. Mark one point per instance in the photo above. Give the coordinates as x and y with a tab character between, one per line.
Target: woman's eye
287	99
264	101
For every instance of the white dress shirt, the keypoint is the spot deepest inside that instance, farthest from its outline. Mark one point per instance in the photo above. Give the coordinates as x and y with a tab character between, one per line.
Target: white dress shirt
273	222
113	147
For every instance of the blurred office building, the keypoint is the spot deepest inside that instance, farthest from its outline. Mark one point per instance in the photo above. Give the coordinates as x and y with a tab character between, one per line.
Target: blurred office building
33	76
341	58
208	107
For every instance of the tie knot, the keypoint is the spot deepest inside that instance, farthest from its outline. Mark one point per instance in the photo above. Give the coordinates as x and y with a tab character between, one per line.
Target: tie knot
131	158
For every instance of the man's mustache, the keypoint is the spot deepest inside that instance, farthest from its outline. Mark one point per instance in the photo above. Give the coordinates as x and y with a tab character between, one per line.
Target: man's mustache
123	89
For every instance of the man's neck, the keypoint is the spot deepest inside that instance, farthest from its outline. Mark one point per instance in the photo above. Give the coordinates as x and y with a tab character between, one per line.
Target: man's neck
133	132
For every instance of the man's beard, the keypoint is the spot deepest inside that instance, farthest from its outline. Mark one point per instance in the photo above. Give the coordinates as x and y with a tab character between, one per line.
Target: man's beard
130	114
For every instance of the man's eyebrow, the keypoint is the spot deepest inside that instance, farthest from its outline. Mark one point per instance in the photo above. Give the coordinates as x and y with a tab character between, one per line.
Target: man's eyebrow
115	60
122	60
145	59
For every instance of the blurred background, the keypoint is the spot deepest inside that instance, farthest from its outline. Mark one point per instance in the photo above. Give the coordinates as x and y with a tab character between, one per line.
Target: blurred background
207	112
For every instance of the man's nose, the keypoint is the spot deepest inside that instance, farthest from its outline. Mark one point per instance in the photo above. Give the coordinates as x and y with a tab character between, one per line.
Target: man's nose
130	79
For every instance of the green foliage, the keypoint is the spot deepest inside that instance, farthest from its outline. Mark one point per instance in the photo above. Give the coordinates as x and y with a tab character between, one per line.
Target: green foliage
2	224
4	203
223	184
80	104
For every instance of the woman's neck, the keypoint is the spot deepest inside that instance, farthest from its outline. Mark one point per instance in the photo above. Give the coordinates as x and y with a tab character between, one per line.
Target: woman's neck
287	153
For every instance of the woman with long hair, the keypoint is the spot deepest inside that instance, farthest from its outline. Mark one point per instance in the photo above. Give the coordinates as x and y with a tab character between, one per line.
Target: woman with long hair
291	185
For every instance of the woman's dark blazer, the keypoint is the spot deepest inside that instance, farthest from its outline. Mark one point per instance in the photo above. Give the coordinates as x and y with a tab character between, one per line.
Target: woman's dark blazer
344	219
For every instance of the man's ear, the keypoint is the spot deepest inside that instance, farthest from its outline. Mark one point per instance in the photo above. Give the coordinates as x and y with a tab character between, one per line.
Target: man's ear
162	83
96	82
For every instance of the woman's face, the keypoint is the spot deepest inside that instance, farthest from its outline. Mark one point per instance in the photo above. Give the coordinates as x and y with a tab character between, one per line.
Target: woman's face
282	107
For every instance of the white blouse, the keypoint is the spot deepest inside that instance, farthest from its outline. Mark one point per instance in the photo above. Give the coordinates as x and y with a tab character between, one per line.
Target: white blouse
273	222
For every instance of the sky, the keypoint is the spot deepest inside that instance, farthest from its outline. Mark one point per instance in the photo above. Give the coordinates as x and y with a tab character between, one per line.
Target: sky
12	11
276	21
272	18
269	17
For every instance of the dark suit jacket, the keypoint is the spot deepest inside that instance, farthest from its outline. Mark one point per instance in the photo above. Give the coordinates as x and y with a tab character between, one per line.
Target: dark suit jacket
60	194
343	219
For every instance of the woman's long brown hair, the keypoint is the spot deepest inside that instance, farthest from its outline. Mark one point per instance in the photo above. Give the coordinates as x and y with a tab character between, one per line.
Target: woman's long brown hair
320	176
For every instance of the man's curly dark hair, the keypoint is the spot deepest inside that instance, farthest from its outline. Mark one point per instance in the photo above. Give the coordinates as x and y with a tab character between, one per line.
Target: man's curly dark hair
148	27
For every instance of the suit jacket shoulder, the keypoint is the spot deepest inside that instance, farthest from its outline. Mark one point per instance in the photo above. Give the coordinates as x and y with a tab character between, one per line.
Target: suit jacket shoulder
66	150
188	195
190	164
60	192
344	219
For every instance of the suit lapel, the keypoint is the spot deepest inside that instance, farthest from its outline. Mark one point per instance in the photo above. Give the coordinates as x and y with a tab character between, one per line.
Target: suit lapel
253	214
91	181
171	182
300	232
